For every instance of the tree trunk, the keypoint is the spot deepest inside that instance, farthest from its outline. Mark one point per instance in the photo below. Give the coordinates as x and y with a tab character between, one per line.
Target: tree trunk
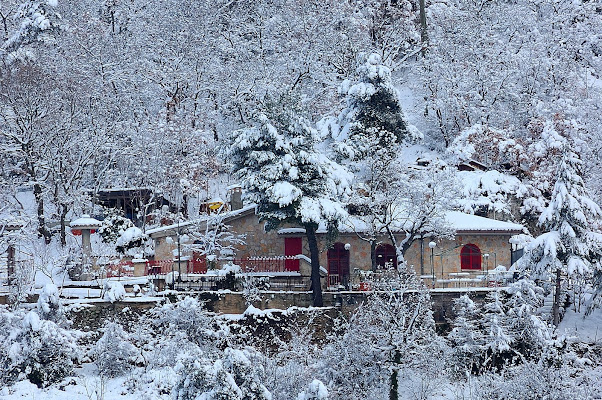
42	230
394	388
556	306
316	285
63	224
373	254
423	33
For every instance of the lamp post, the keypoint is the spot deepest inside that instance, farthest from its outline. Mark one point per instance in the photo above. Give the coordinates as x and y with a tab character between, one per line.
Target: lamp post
486	257
85	225
432	246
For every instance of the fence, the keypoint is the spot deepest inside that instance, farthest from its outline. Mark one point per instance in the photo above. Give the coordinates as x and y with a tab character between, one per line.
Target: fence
122	268
268	264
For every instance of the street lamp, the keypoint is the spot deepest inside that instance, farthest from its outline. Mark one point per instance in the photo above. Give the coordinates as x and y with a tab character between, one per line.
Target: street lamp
432	246
486	257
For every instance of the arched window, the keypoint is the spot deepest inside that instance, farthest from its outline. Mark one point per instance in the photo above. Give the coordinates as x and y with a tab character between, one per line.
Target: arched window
470	257
386	256
338	265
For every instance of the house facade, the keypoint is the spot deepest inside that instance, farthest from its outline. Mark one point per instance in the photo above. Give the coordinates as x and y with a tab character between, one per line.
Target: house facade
479	247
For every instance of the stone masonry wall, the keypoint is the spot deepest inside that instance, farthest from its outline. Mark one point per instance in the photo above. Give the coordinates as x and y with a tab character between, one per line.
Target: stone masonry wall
446	260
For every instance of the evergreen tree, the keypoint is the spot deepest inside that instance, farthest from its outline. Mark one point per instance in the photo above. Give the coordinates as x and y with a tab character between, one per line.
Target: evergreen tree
466	338
530	334
373	124
288	178
569	245
498	342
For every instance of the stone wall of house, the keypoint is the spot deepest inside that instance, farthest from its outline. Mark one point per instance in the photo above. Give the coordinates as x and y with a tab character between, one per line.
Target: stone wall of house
447	253
258	243
163	249
446	260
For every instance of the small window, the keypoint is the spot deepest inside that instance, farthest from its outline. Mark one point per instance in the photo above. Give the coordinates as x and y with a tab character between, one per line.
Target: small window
386	256
470	257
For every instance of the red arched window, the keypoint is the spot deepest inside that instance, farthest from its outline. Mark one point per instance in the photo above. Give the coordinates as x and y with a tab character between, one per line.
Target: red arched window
470	257
386	256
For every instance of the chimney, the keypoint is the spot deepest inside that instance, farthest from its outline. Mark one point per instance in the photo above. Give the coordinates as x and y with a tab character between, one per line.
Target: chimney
235	197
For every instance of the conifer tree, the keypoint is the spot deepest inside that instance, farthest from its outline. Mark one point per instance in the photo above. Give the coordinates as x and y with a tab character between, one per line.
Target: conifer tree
569	245
466	337
288	178
373	124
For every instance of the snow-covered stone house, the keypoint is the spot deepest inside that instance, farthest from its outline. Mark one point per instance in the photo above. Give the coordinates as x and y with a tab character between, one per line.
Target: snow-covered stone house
481	245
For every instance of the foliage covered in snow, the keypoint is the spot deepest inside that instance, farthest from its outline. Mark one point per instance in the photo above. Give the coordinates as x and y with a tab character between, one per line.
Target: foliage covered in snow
113	291
113	352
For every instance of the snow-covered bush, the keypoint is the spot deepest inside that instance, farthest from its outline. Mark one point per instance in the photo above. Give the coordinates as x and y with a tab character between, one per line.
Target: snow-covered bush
49	306
294	363
113	291
10	322
315	391
133	242
188	318
113	226
235	376
532	380
39	350
113	353
252	287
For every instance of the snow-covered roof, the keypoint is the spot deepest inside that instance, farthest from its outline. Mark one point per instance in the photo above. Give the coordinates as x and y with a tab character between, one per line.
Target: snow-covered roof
457	220
85	222
183	224
463	222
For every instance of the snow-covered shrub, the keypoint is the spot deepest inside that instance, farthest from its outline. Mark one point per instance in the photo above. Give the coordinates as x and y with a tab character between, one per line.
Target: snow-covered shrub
188	318
113	291
315	391
10	322
41	351
113	226
133	242
252	287
49	306
235	376
531	380
113	353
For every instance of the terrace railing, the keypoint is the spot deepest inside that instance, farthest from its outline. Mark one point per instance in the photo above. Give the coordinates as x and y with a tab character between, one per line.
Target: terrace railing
268	264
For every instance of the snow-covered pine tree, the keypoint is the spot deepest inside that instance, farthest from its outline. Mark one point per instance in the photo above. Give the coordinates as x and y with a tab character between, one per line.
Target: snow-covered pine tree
373	124
497	341
569	245
530	334
368	136
113	352
288	178
466	337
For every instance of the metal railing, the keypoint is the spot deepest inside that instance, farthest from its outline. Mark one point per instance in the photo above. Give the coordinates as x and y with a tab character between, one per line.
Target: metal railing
268	264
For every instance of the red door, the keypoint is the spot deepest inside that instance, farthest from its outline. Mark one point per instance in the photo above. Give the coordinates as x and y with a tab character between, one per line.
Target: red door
292	247
199	263
338	265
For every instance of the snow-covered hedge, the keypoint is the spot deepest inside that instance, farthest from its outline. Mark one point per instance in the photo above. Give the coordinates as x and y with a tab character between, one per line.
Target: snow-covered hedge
36	349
